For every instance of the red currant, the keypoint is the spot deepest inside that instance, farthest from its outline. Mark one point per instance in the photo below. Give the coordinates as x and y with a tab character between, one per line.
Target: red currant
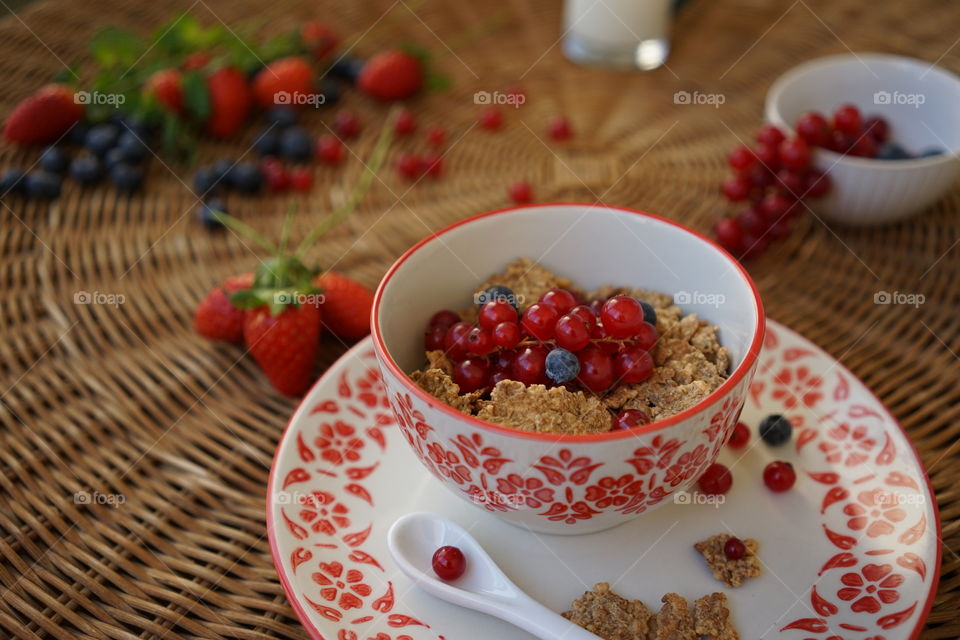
560	299
814	128
768	155
790	182
622	316
779	476
604	340
736	188
741	159
529	367
408	165
754	245
433	338
444	319
795	154
816	184
630	419
847	119
275	175
520	192
771	135
471	374
841	142
716	480
729	234
506	334
479	342
301	178
761	177
495	312
431	163
752	221
329	150
346	124
633	365
540	320
877	128
646	337
491	118
455	342
449	563
499	375
585	313
572	333
503	359
774	206
560	129
596	370
734	549
864	147
405	123
436	136
739	437
779	229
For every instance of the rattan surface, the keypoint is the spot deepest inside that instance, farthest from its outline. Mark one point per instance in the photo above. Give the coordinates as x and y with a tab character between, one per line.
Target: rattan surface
128	400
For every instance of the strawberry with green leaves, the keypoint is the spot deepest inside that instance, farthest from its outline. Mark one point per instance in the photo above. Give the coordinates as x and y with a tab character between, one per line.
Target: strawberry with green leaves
165	86
216	318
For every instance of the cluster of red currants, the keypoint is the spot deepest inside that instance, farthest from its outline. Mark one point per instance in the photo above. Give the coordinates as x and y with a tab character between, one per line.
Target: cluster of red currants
559	339
773	177
848	133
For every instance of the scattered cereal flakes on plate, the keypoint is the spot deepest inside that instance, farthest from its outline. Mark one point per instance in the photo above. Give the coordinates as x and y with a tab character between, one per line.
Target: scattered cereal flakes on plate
609	615
711	618
731	572
674	620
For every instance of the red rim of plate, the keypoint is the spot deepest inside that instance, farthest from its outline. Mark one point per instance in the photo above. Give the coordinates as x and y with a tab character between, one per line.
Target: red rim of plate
749	358
315	633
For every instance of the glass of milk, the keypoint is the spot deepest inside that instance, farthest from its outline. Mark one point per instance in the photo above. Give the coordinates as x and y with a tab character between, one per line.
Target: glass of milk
625	34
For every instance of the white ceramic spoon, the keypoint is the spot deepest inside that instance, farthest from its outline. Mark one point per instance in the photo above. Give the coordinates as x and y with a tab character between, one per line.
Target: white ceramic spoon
415	537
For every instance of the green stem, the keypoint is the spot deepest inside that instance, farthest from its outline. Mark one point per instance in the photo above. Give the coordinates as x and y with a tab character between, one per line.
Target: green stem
360	189
245	230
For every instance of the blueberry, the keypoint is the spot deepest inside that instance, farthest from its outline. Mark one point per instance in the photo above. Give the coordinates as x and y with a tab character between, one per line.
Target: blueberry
295	144
205	180
282	117
113	157
496	292
206	211
562	365
929	153
267	142
246	178
12	182
775	430
101	138
78	134
86	169
347	68
40	184
54	160
126	177
330	90
892	151
649	315
222	169
134	147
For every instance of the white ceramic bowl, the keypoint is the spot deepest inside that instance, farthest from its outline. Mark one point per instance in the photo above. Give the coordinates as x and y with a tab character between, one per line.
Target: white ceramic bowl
551	483
919	100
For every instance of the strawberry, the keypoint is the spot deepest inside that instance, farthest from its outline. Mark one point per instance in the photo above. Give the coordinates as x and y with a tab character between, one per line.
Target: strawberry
391	75
346	305
230	102
216	318
166	86
285	81
43	116
318	38
196	60
284	345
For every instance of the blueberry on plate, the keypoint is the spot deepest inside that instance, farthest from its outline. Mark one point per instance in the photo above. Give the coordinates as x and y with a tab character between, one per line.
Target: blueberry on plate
86	169
133	146
54	160
206	180
267	142
562	365
246	178
496	292
775	429
12	181
282	117
206	213
347	68
892	151
649	314
43	185
126	177
296	145
101	138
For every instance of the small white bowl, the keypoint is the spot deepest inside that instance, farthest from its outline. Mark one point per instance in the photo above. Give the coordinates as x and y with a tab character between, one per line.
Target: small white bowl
918	99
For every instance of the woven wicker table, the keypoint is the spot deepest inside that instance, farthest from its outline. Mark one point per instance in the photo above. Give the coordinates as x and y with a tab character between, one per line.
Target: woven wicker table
126	400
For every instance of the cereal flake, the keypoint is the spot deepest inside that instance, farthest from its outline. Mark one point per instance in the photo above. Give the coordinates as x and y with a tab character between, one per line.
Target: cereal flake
731	572
538	409
711	618
609	615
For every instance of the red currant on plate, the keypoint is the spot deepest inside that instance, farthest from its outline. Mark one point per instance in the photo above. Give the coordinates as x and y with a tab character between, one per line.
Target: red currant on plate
449	563
734	549
739	437
779	476
629	419
716	480
520	192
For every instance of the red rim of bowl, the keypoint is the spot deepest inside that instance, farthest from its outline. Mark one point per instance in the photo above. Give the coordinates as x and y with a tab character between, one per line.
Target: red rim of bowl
749	359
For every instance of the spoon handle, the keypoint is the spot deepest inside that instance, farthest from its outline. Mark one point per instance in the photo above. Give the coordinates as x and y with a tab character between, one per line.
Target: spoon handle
533	617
